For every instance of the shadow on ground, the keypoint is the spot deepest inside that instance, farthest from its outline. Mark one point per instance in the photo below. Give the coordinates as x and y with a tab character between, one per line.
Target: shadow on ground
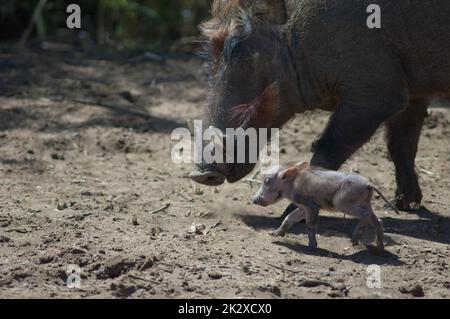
365	256
432	226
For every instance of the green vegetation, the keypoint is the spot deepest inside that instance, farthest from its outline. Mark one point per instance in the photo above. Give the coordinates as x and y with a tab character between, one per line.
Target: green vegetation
107	22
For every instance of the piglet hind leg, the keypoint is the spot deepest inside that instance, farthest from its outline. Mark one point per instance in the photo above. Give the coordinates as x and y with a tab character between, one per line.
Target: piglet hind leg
359	231
293	218
367	217
377	224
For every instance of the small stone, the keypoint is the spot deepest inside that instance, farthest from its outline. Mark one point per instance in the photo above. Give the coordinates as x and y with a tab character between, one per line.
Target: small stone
272	289
335	294
214	275
130	96
21	275
415	291
146	265
77	251
62	206
275	290
46	259
4	239
57	157
122	291
116	266
197	229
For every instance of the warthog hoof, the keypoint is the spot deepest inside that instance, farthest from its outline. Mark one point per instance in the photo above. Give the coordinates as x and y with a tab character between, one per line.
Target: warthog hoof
312	245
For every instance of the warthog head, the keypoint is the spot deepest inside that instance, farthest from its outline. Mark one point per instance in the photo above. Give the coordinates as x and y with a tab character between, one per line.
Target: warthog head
252	80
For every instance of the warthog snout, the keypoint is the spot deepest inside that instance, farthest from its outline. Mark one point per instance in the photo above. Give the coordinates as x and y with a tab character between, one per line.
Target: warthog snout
208	178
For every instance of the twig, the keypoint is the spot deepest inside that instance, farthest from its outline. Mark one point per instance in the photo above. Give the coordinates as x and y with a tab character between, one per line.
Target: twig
186	197
116	108
251	181
80	216
309	283
116	198
144	279
284	269
159	171
255	174
17	230
36	13
160	209
429	173
214	226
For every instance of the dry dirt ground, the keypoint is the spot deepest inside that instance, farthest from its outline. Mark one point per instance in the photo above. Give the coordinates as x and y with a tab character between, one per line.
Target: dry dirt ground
85	168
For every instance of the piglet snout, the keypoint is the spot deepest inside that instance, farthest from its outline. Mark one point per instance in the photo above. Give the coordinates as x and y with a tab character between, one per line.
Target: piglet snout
258	200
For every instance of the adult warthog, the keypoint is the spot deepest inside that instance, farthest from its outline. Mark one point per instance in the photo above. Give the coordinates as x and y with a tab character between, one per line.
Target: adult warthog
272	59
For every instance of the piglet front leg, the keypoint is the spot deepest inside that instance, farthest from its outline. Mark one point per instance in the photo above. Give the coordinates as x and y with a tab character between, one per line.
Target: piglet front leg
293	218
312	217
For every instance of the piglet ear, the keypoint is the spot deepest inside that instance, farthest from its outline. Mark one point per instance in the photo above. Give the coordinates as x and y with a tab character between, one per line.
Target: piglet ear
288	174
301	166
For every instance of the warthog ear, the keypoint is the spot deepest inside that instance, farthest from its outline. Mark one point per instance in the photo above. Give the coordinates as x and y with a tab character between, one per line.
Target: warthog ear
214	31
261	112
301	166
271	11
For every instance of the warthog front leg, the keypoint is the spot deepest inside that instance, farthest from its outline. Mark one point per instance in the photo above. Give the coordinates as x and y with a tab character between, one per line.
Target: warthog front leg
362	110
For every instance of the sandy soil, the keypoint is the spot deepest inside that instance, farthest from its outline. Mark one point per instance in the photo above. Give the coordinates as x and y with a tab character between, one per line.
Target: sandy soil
85	162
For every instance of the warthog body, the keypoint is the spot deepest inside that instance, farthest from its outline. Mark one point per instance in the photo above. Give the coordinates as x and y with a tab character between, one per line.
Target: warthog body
312	189
272	59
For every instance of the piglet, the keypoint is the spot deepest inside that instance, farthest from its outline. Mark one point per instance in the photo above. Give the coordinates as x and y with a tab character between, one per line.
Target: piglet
312	189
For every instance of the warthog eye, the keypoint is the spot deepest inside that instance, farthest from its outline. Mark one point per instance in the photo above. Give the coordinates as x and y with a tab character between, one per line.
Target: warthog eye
232	46
267	181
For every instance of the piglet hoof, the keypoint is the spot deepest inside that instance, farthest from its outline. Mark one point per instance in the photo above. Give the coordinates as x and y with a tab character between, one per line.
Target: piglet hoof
377	250
355	242
278	233
380	246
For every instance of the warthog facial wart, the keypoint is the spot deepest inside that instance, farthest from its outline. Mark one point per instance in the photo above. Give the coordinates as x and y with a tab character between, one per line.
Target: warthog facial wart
235	146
